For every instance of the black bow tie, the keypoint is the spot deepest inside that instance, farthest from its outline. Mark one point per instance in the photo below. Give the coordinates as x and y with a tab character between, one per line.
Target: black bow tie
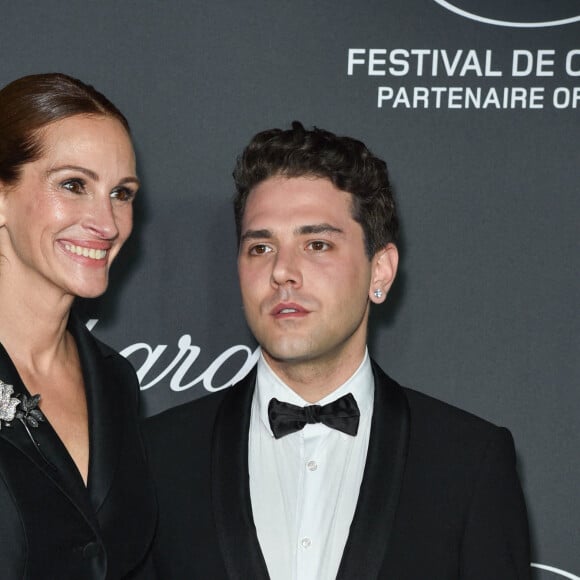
342	414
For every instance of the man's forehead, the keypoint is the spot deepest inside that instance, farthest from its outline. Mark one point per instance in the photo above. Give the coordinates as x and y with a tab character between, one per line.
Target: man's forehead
306	181
284	197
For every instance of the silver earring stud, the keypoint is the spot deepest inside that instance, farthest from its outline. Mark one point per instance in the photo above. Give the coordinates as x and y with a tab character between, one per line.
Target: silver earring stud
378	293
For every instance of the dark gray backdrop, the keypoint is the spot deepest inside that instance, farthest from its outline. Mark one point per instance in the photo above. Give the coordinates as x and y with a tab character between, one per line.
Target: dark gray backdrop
485	310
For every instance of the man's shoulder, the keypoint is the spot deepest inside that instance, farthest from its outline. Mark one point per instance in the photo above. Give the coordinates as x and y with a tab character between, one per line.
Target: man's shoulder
441	428
187	415
429	407
424	407
199	415
444	434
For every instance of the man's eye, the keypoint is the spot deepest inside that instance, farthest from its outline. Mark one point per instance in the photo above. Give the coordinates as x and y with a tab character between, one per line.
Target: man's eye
260	249
318	246
123	194
74	185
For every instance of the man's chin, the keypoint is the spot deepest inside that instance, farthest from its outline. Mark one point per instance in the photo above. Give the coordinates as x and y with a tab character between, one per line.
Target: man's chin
289	355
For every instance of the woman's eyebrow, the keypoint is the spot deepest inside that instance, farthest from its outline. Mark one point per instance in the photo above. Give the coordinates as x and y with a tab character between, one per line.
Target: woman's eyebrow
90	173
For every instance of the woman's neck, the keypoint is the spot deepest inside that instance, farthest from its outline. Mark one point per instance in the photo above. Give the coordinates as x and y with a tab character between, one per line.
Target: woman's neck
33	327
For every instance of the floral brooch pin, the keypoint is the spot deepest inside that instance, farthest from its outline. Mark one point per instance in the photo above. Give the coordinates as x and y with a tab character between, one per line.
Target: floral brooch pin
21	407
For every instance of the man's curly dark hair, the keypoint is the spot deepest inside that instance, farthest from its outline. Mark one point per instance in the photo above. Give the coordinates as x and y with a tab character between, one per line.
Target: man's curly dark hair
346	162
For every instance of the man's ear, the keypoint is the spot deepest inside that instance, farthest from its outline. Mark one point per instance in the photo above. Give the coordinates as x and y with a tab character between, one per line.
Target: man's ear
384	269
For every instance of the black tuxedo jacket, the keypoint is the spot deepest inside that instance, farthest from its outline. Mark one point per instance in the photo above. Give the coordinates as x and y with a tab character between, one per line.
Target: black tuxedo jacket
52	527
440	498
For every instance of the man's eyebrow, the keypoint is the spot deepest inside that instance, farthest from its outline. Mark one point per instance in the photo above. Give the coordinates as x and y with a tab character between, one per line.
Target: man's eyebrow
90	173
323	228
305	230
255	235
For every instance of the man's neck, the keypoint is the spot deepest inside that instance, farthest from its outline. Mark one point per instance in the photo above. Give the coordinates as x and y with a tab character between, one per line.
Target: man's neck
315	380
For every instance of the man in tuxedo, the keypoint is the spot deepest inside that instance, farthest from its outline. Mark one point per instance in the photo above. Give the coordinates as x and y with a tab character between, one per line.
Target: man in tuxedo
318	465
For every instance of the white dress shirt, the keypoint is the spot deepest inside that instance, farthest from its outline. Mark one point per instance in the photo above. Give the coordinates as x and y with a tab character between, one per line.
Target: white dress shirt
304	487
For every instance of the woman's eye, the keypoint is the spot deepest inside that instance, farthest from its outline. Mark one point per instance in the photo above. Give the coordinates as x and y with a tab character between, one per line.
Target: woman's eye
260	249
74	185
123	194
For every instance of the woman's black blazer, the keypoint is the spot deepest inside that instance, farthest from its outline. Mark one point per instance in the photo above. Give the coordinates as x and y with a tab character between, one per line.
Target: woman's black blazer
52	527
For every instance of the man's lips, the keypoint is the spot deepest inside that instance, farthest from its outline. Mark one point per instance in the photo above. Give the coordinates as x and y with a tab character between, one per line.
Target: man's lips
288	309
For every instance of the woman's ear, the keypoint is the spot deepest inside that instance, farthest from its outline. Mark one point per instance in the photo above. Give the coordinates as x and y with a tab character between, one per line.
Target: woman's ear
384	269
3	194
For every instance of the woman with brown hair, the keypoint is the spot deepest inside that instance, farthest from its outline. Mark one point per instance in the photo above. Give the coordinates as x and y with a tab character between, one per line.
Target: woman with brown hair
75	496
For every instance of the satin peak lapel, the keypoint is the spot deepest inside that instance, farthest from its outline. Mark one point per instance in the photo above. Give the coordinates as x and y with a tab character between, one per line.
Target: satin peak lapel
104	407
47	451
231	485
371	527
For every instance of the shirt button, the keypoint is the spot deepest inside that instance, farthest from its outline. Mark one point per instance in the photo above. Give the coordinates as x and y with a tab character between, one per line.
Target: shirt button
306	543
312	465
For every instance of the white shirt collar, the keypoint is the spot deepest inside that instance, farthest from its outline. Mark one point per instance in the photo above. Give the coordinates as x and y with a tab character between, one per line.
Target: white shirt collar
269	385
